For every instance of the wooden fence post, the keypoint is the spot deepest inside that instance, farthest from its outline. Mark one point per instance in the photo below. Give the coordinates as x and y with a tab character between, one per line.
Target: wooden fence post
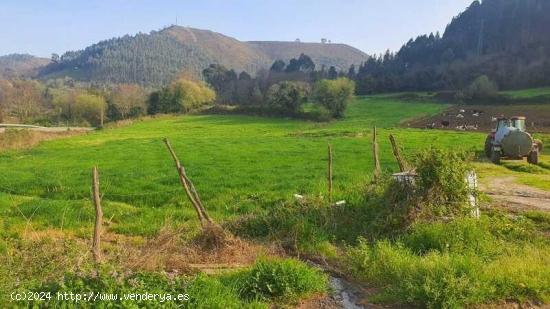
96	248
377	169
397	154
189	188
329	173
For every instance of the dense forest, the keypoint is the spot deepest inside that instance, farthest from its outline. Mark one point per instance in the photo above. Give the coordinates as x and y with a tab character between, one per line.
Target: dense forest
506	40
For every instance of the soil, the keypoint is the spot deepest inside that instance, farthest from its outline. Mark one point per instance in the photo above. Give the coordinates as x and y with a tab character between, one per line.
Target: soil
460	117
505	192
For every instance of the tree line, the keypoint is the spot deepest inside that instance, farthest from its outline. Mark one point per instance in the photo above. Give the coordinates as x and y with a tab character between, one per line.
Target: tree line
284	88
504	40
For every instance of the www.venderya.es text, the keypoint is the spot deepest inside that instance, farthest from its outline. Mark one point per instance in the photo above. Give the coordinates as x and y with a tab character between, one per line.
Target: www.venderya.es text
96	297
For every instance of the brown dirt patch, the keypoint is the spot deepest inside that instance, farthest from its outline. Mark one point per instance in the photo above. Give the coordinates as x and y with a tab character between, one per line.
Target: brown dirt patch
205	252
505	192
538	116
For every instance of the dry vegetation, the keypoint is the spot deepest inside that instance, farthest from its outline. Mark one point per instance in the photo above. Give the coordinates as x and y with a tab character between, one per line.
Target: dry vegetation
16	139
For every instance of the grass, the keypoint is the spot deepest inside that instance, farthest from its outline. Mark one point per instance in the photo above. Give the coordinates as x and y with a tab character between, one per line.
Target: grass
239	164
283	280
528	93
250	167
442	265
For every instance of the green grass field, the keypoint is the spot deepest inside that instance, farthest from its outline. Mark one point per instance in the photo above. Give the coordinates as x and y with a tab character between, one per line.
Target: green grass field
238	163
241	165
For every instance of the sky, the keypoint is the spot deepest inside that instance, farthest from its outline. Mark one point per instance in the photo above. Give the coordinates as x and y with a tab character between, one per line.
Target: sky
43	27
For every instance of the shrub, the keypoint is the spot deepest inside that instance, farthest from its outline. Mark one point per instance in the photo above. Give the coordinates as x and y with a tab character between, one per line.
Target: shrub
441	188
287	96
278	279
334	95
481	88
182	96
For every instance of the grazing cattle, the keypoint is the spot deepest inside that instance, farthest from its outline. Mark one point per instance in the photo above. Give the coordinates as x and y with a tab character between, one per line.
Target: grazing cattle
445	123
461	128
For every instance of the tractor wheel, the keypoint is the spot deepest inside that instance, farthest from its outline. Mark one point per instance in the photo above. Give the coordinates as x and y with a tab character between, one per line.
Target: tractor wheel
533	157
495	156
488	146
539	144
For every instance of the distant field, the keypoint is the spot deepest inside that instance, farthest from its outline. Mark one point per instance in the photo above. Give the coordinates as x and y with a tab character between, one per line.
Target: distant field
239	164
528	93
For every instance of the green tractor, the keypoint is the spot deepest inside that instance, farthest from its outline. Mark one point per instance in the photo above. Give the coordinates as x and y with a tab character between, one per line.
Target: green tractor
511	141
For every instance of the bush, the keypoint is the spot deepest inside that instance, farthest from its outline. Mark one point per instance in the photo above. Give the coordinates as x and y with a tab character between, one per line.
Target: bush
281	279
441	188
481	88
182	96
287	96
334	95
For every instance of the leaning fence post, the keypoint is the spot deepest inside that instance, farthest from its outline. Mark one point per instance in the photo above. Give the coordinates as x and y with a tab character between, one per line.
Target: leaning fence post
397	154
377	169
189	188
96	249
329	173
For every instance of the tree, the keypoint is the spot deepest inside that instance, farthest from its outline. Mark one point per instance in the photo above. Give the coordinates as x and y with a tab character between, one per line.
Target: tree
90	107
332	73
482	88
191	94
334	95
127	100
278	66
182	95
26	99
287	95
79	106
244	76
302	64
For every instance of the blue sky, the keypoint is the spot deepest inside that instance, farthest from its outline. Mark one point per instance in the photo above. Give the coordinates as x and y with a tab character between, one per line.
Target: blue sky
42	27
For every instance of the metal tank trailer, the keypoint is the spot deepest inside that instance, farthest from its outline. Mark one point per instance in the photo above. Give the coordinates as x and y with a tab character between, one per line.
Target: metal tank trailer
510	140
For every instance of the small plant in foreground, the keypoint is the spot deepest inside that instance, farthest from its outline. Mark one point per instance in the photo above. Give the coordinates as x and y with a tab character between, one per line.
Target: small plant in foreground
277	279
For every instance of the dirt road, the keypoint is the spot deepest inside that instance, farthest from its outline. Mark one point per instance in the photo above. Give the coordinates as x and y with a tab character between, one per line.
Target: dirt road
505	192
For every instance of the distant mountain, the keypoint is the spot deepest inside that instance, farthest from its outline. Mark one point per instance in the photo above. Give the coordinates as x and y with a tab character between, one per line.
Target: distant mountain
507	40
341	56
19	65
155	58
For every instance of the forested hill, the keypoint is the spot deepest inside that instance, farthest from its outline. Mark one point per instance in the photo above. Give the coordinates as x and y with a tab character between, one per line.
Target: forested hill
507	40
18	65
341	56
155	58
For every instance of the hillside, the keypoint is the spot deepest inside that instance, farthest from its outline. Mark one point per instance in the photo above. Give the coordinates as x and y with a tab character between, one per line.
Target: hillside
504	39
341	56
155	58
20	65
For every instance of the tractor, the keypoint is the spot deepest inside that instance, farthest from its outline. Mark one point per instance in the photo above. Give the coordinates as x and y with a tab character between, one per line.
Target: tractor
511	141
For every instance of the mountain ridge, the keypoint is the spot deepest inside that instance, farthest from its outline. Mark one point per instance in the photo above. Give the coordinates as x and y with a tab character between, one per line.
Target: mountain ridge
157	57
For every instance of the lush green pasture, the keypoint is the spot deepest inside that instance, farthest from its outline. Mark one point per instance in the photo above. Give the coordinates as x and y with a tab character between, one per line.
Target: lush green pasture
252	165
238	164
